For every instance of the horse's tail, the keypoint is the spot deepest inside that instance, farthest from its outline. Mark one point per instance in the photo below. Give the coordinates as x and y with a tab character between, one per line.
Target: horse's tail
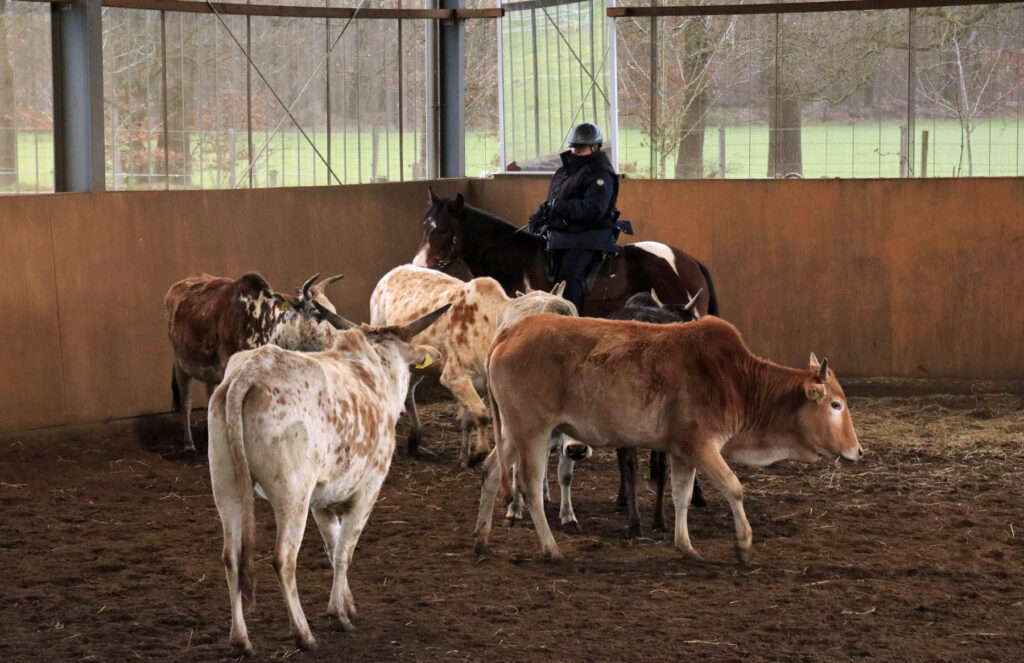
712	296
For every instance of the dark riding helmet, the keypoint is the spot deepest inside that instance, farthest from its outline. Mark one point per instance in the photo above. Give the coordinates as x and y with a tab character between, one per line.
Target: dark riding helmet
586	134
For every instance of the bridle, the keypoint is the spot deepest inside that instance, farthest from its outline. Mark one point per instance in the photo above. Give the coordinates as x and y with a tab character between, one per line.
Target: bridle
452	256
443	264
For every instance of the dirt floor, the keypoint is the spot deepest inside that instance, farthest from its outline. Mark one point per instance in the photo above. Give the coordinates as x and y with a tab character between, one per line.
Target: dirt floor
110	550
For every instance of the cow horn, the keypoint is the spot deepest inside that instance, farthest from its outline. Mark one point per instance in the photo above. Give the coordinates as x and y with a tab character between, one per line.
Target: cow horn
433	196
305	286
693	300
416	326
330	316
823	370
657	301
558	289
329	280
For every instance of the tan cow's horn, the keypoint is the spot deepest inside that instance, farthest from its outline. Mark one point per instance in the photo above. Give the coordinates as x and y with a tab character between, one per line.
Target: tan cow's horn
329	280
330	316
657	301
416	326
309	282
693	301
823	370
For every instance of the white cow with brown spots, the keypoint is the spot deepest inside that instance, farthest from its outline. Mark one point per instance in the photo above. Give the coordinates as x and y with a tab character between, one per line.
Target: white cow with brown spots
313	432
463	336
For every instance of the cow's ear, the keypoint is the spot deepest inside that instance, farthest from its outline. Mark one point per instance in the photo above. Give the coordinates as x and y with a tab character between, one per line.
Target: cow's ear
282	302
456	206
815	391
520	293
558	289
814	362
432	197
424	355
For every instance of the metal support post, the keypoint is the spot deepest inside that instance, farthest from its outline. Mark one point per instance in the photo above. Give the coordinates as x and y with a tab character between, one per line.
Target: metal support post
77	34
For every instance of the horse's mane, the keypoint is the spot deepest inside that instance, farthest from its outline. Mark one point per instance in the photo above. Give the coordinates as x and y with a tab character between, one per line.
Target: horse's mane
487	220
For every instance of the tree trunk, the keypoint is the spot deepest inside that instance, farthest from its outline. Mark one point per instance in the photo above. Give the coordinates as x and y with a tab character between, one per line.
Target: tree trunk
181	81
690	157
8	108
784	136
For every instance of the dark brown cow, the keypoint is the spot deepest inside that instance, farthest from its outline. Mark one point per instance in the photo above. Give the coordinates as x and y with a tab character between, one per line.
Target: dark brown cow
210	318
694	391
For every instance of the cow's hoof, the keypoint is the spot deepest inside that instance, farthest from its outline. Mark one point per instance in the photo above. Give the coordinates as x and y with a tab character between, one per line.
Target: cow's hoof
576	451
481	548
509	522
572	526
555	557
691	554
243	648
305	642
620	503
412	445
475	458
634	532
658	525
744	555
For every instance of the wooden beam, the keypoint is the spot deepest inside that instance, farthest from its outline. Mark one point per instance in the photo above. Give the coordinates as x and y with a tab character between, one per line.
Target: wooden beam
196	7
794	8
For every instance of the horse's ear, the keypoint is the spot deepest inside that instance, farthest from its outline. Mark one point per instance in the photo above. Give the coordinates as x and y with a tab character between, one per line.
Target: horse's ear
456	206
433	196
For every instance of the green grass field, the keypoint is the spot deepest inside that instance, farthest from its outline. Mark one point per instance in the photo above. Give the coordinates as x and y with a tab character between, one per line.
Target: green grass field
829	150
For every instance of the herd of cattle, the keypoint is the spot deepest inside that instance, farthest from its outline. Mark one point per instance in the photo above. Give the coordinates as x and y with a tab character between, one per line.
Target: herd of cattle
304	406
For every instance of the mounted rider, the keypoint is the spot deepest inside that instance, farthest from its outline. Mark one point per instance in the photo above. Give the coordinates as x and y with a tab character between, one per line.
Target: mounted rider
579	216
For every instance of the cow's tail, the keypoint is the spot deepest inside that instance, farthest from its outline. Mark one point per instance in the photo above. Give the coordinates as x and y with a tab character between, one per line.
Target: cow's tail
504	463
241	479
712	296
175	390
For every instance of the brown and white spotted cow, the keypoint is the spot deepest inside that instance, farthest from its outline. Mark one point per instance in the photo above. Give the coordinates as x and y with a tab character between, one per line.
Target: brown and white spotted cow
313	432
694	391
210	318
463	337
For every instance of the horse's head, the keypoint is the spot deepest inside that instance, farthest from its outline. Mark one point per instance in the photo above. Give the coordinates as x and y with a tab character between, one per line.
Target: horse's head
442	232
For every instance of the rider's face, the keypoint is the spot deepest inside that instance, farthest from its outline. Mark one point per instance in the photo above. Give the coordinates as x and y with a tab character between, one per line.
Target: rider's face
582	150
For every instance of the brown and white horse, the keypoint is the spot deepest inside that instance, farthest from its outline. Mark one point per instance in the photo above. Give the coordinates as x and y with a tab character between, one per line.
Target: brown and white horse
468	242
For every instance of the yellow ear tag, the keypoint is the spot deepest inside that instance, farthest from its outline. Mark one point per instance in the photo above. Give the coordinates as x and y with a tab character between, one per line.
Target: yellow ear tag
819	396
427	361
286	305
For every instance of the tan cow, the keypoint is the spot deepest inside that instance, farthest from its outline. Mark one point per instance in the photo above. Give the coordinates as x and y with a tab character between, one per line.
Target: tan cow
210	318
463	337
693	391
313	432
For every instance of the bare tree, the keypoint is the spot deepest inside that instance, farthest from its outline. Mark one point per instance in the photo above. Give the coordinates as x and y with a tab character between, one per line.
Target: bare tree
964	51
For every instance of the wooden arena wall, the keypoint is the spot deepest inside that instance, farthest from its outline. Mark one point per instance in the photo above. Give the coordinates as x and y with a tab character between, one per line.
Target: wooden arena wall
905	278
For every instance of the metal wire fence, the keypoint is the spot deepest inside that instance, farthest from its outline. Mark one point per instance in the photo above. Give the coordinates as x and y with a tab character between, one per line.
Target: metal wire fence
881	93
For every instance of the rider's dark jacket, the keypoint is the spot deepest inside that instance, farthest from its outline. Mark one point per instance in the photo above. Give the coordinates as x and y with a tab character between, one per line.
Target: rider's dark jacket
579	212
